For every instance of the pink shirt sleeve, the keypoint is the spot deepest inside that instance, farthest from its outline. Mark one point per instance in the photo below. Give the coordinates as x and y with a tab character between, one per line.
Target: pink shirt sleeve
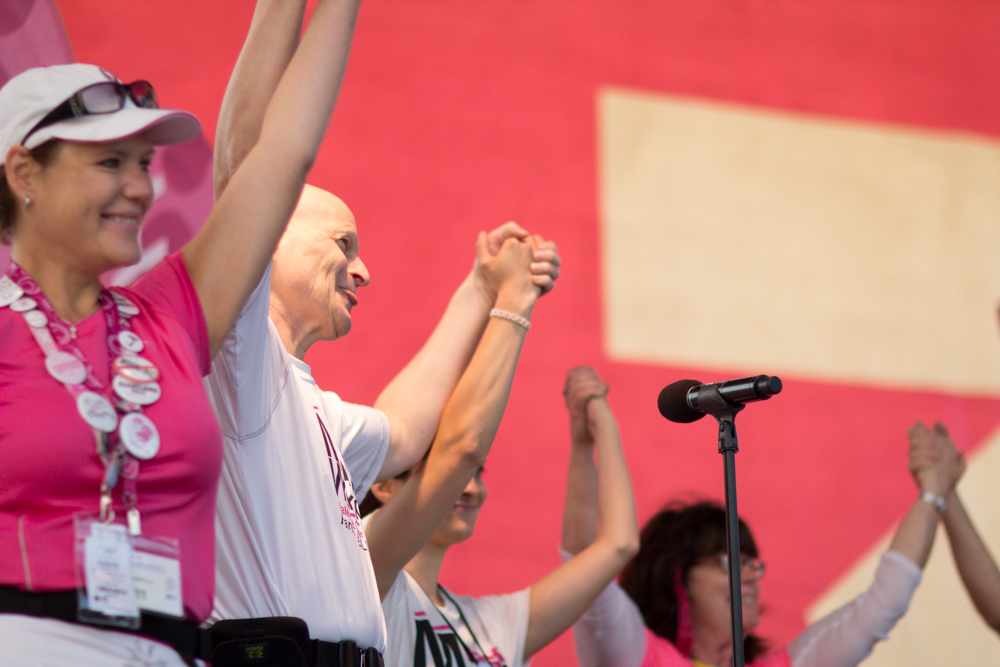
169	287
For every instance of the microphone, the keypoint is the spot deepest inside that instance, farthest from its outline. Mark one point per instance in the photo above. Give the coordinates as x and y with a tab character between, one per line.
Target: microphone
686	401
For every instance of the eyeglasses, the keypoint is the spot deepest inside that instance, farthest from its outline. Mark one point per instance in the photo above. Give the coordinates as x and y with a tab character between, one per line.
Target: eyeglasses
99	98
747	563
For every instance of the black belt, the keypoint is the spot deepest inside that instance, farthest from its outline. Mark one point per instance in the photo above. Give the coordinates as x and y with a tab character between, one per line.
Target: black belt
261	642
183	635
280	641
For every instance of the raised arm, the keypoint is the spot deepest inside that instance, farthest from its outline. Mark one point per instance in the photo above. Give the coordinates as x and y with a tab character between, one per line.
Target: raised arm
415	399
270	45
559	599
227	257
847	635
975	565
414	508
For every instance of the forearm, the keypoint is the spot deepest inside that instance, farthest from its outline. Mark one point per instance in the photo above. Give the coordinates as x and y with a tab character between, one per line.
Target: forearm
976	567
617	524
579	523
415	399
915	535
468	427
269	47
559	599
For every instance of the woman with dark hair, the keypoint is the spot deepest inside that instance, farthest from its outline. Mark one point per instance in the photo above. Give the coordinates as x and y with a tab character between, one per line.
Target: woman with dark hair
675	542
671	608
109	450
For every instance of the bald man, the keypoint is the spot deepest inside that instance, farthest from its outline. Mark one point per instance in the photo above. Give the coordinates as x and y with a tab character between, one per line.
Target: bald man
298	460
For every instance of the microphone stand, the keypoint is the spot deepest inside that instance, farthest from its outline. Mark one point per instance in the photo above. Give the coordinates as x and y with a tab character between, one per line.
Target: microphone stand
712	402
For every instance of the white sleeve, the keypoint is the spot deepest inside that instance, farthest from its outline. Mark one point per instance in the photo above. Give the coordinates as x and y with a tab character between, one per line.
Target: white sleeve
507	618
364	440
846	636
249	369
611	633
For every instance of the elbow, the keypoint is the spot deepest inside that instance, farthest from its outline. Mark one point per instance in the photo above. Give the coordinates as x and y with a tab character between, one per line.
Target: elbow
471	451
625	548
629	548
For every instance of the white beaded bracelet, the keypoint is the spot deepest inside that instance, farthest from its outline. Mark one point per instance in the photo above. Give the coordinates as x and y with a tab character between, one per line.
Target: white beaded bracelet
934	499
516	319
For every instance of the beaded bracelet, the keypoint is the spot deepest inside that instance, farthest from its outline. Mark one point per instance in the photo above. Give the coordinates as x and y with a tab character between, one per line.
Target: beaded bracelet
516	319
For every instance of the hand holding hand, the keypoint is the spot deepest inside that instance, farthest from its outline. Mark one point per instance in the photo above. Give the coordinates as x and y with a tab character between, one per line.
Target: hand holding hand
544	268
507	269
582	385
935	464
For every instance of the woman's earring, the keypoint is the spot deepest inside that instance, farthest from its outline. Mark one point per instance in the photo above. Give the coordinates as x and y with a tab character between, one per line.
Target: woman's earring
27	202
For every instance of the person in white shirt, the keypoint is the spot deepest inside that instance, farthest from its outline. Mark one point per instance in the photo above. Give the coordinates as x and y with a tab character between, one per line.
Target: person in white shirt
420	520
298	459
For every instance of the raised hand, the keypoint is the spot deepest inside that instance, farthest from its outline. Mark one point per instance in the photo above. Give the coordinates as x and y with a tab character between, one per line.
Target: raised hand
582	385
544	268
507	270
935	464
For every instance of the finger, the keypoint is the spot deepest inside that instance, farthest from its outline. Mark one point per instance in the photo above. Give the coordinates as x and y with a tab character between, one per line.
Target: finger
539	268
510	229
544	284
547	256
482	248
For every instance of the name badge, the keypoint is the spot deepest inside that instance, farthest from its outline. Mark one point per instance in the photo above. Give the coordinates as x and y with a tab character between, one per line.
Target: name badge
157	581
108	567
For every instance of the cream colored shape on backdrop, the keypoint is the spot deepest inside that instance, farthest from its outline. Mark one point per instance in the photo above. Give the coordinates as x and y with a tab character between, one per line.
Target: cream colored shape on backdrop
737	238
942	626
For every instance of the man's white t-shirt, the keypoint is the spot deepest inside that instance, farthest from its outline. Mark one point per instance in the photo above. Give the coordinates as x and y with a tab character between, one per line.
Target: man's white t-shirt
421	634
297	462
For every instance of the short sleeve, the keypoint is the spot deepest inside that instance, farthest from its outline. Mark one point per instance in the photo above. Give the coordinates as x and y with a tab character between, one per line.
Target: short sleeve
167	287
249	369
509	613
364	440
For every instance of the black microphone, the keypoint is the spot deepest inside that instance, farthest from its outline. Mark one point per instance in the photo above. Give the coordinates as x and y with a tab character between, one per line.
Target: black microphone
679	402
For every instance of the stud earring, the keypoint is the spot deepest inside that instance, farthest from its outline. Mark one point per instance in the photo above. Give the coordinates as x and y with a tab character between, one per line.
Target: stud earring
27	201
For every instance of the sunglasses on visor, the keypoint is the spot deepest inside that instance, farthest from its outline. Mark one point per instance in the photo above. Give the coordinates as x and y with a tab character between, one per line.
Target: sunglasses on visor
99	98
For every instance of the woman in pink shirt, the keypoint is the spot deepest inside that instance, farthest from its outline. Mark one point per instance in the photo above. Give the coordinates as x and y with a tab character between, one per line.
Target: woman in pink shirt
671	607
109	450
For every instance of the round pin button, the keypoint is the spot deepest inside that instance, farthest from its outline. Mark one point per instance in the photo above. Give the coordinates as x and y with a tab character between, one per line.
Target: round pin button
143	393
139	435
23	304
66	368
136	368
9	291
36	318
130	341
125	307
97	411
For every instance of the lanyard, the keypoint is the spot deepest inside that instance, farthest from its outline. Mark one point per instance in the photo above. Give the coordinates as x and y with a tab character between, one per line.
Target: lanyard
122	432
468	627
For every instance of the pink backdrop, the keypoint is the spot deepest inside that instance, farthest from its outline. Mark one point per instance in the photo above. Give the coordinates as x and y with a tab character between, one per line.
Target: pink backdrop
456	116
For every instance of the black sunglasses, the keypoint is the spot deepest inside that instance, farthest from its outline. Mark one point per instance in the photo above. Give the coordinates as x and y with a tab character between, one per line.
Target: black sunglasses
99	98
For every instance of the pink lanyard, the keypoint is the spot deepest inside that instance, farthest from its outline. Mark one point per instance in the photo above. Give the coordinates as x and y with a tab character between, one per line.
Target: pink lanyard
122	432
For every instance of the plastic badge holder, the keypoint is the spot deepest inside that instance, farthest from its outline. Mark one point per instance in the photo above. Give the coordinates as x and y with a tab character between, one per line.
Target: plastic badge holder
118	575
